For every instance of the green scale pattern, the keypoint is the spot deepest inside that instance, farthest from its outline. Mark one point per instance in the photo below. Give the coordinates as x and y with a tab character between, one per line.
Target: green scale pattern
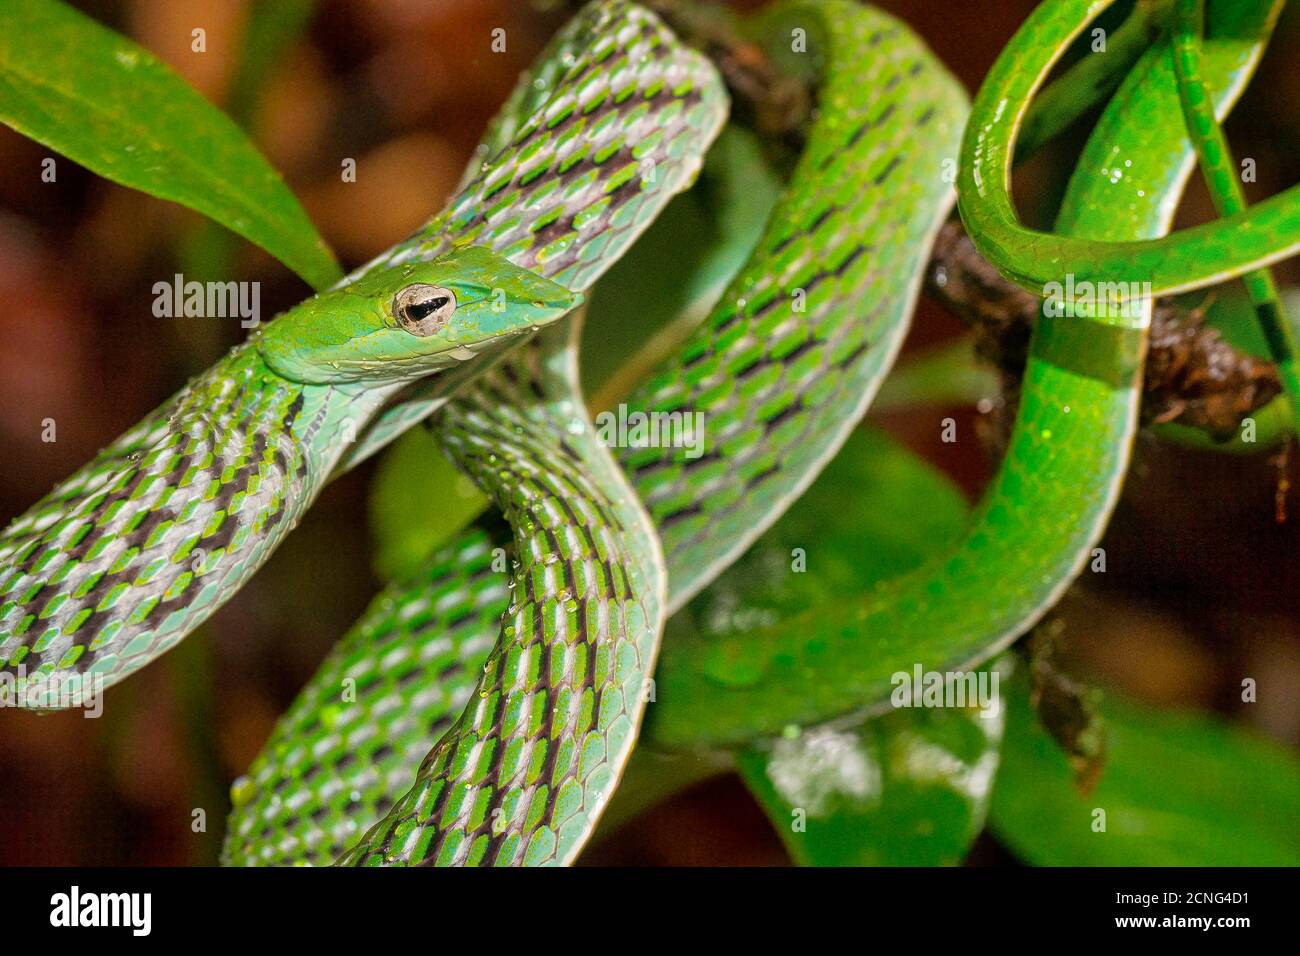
112	566
736	367
611	123
793	354
352	740
1061	475
665	147
524	774
571	190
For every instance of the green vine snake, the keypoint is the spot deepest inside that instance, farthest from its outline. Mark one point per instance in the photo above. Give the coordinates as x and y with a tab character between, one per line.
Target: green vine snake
475	716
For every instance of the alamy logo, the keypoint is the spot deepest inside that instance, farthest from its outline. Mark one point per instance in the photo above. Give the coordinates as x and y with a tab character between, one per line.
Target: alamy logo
64	691
623	429
1087	298
208	300
134	910
922	688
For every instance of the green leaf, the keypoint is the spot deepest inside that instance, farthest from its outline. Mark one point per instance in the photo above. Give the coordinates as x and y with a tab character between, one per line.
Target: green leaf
110	105
907	789
948	375
1178	789
912	787
207	250
409	523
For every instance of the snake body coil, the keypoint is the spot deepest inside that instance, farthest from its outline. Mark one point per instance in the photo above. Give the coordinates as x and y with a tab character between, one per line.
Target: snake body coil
483	710
781	370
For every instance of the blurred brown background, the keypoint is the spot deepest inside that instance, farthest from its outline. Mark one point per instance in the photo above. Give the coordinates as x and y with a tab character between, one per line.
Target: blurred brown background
1202	578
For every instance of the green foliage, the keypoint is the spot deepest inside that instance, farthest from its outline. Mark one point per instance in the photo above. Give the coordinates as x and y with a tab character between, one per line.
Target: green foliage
207	250
910	788
418	501
111	106
1178	789
949	375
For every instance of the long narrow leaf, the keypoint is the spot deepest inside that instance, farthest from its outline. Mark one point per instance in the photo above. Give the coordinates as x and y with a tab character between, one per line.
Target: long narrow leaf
108	104
1178	789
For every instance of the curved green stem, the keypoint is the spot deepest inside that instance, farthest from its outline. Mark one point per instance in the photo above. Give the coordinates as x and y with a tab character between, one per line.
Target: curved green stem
1221	175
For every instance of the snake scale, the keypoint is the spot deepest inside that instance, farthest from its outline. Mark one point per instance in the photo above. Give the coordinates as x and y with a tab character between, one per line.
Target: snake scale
811	374
529	679
152	536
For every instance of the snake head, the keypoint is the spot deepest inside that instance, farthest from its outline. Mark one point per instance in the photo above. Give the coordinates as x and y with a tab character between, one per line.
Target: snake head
401	323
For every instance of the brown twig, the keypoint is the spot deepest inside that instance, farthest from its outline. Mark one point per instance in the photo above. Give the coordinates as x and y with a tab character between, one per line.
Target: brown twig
1067	708
1192	376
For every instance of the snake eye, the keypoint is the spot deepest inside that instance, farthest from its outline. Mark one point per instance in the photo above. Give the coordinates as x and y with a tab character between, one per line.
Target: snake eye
423	309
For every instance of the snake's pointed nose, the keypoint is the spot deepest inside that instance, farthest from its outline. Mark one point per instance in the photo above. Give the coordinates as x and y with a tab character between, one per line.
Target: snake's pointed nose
560	304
